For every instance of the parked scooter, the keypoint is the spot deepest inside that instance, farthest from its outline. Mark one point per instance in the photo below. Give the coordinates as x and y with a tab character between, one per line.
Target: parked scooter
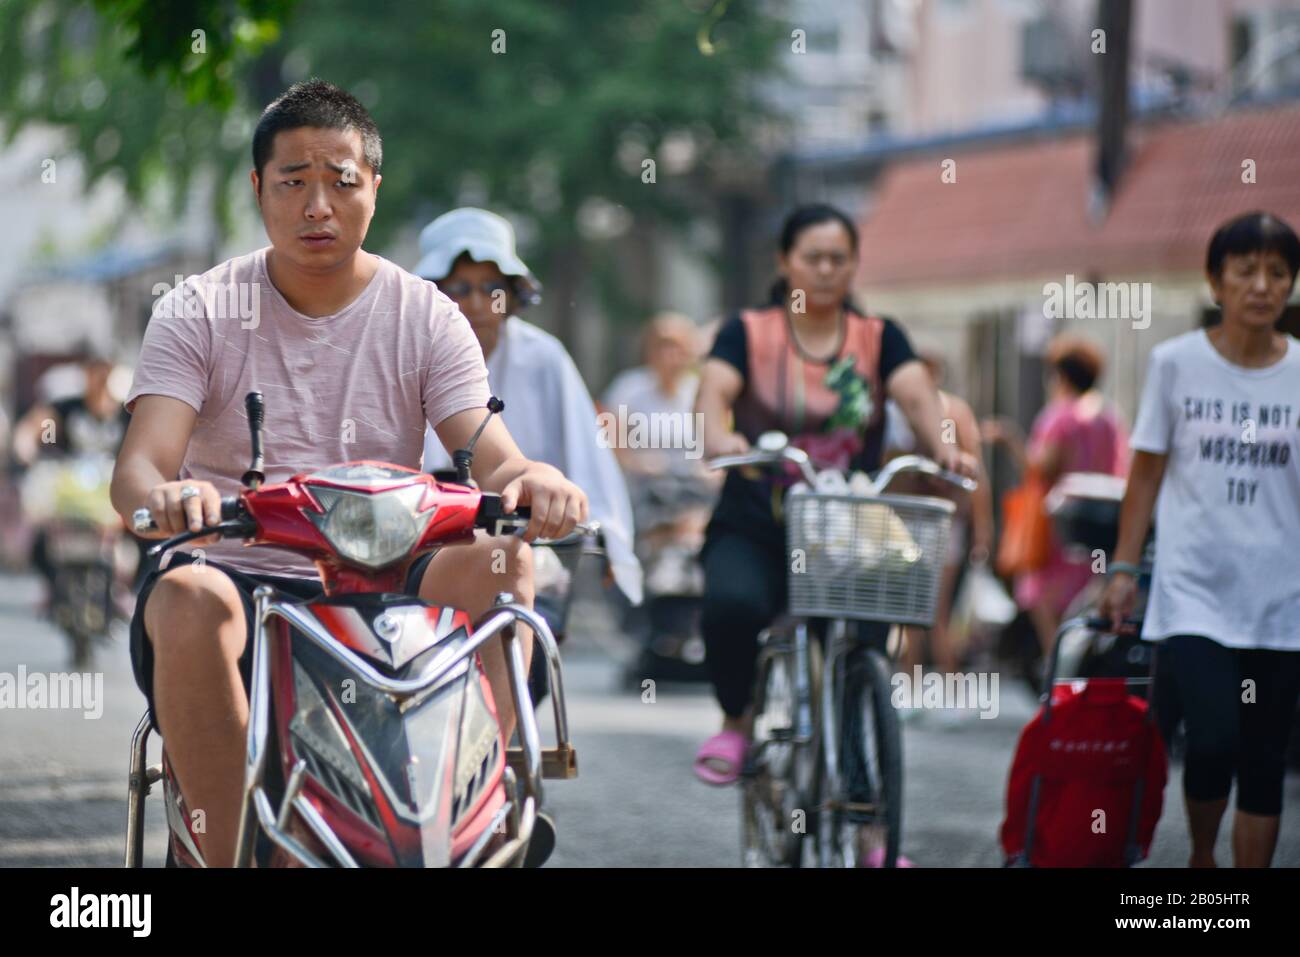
374	738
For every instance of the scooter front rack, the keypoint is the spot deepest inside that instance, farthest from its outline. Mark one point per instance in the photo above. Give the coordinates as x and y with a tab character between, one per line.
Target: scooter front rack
527	764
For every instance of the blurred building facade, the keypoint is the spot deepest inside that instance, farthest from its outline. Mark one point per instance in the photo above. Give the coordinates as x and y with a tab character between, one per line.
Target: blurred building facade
865	86
971	266
1007	91
79	263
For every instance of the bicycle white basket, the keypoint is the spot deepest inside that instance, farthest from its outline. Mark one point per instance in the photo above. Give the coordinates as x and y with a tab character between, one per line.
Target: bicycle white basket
868	558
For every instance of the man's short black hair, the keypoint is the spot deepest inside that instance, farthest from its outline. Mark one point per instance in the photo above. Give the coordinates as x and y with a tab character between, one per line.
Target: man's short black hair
1256	232
318	104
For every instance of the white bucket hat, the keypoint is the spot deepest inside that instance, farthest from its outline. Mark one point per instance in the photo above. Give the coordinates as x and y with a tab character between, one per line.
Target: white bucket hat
486	236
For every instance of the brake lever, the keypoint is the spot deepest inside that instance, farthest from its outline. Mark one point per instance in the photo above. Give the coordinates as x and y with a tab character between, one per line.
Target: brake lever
235	528
589	529
964	482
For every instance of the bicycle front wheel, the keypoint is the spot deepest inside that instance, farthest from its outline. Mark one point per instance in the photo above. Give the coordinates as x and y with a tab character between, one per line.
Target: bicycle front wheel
867	823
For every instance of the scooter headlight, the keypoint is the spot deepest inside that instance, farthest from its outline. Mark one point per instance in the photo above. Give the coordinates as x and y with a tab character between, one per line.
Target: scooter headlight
371	530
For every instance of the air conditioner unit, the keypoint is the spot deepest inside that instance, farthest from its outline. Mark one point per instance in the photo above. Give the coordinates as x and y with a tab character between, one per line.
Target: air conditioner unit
1048	57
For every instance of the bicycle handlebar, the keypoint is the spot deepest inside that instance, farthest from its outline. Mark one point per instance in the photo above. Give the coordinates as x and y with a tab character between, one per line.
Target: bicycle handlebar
901	465
919	463
759	457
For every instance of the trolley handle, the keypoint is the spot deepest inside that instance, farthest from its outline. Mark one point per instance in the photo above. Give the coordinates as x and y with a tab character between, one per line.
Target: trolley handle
1129	626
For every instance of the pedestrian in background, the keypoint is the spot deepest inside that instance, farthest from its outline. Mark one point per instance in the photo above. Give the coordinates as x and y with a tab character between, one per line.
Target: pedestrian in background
470	255
671	490
663	386
672	494
1076	431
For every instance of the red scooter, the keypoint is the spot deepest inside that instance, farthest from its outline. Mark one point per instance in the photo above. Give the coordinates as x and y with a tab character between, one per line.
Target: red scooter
374	739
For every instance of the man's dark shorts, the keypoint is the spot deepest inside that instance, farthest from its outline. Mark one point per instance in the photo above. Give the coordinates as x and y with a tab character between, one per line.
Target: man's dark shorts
297	588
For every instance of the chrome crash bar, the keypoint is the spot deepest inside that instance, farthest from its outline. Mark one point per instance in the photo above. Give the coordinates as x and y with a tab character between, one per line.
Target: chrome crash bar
528	764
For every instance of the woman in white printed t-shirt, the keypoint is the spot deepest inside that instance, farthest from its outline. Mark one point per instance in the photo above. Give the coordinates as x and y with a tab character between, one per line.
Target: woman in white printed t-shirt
1217	439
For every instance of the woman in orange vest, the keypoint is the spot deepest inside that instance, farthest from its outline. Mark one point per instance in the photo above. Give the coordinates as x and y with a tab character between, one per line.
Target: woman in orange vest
812	365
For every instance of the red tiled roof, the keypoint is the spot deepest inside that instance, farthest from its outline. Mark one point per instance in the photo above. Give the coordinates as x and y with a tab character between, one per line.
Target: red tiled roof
1022	210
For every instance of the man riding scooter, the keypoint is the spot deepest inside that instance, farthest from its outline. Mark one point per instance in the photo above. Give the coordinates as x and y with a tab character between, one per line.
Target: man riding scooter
358	356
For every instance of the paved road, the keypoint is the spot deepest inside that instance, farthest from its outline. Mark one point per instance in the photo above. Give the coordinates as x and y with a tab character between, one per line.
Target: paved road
636	804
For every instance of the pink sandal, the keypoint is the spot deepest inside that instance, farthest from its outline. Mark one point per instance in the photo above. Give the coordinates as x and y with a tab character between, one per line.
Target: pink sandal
728	747
877	859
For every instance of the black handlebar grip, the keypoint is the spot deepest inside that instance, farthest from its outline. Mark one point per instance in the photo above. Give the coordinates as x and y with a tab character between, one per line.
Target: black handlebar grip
490	511
231	507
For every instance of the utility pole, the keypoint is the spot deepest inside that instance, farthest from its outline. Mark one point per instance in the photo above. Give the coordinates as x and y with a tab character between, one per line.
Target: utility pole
1115	19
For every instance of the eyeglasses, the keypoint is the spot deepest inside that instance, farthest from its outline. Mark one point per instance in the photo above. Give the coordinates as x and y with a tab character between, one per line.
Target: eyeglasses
460	290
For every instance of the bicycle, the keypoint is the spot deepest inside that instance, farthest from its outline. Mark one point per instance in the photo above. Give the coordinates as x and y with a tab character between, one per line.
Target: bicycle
831	765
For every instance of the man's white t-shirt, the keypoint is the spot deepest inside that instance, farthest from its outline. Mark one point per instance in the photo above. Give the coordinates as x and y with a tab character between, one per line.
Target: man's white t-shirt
1228	514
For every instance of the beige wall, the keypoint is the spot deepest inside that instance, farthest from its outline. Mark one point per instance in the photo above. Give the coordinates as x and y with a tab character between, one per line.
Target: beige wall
942	319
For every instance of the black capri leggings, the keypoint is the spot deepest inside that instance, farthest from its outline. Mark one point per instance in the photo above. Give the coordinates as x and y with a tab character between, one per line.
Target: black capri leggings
1232	730
744	591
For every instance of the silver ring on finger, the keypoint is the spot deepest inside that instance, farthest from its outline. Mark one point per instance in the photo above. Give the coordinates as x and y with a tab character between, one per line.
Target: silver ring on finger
189	491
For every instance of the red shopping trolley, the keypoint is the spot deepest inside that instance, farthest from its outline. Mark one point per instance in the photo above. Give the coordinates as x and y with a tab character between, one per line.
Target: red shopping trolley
1087	782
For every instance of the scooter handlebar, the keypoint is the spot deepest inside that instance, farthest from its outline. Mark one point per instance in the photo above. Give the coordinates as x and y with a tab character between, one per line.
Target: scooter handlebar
142	521
496	521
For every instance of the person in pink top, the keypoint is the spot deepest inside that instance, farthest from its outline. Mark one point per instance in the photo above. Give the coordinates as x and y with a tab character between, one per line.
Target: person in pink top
1077	431
354	356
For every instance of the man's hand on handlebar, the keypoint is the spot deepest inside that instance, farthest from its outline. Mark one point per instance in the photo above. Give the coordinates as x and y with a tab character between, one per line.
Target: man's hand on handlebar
557	505
174	515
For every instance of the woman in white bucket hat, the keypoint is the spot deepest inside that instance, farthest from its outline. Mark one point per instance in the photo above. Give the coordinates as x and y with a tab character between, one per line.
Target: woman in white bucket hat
470	254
